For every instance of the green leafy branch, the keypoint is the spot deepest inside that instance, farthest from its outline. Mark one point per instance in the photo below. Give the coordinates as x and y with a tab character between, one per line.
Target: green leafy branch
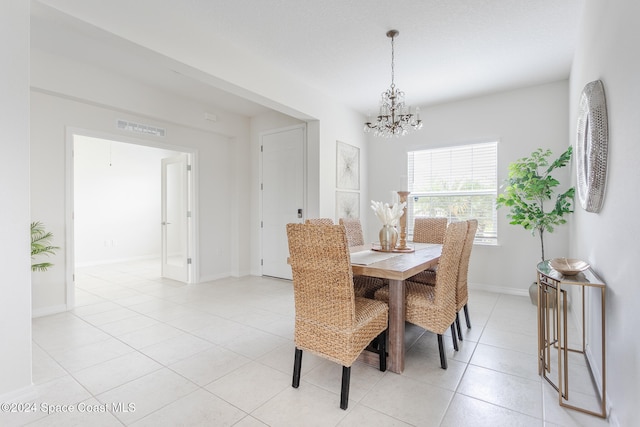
527	188
41	245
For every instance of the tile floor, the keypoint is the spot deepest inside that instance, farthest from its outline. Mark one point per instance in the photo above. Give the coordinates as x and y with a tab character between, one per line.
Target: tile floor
160	353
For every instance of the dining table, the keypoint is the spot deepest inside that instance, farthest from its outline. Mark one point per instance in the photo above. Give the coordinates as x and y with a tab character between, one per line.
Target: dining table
395	267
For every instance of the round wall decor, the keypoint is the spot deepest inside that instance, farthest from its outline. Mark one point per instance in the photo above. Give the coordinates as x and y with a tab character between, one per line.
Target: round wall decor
591	146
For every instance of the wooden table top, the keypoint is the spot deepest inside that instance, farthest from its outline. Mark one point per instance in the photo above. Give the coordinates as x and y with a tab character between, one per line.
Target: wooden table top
402	266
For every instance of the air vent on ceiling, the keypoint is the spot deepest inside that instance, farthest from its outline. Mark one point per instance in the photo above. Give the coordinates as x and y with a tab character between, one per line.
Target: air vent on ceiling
140	128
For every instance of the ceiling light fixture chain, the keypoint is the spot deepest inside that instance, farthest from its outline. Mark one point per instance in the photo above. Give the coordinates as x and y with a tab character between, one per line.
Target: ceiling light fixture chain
394	117
393	34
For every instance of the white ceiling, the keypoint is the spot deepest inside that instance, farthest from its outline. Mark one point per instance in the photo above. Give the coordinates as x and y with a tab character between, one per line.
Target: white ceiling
446	50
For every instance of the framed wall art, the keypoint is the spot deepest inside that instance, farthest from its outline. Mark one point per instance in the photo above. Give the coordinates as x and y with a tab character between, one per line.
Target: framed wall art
347	204
347	166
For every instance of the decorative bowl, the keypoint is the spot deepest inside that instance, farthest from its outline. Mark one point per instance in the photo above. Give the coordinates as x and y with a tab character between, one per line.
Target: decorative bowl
568	266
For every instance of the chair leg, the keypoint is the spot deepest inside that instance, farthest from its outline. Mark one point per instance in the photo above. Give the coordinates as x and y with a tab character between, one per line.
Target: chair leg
443	357
458	326
374	342
454	336
382	350
297	365
344	392
466	315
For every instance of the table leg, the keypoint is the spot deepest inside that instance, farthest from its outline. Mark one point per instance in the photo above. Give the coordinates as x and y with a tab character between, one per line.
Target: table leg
396	325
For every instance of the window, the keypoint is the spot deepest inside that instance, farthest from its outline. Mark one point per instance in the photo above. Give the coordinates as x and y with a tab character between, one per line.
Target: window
459	183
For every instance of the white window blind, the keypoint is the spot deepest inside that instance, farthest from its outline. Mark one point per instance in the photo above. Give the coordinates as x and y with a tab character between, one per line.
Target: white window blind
459	183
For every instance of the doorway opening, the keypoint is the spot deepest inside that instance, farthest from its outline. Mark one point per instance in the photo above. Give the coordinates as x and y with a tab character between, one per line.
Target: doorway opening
129	202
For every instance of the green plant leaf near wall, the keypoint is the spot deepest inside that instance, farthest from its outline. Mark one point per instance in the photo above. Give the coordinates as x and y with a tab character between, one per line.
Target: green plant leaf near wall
41	245
529	185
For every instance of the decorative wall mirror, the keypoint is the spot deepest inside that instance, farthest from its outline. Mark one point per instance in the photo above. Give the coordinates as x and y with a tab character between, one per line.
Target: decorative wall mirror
591	146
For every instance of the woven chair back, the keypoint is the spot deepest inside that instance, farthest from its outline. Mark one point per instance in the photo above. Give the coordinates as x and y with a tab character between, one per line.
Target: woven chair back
355	237
429	230
434	307
447	276
322	278
462	294
319	221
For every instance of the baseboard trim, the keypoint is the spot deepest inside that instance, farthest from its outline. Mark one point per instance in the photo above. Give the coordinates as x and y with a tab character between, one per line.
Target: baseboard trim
597	377
612	418
46	311
115	261
25	394
499	289
213	277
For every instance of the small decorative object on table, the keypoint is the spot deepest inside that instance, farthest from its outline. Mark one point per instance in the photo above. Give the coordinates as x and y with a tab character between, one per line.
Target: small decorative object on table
402	245
389	215
568	266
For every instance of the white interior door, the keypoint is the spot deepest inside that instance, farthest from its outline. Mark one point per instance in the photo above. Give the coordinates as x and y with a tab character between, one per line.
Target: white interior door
175	218
282	196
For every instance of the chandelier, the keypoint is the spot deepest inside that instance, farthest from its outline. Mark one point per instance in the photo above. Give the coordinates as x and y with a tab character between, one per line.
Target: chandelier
394	118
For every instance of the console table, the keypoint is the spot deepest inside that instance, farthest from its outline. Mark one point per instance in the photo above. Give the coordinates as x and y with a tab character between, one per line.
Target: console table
553	334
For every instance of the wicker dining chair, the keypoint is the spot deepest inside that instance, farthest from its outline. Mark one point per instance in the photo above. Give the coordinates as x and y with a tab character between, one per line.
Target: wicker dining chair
330	321
462	291
355	237
434	307
364	286
319	221
428	230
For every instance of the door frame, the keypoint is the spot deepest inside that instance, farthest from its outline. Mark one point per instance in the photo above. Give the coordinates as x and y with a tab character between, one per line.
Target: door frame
168	270
70	132
304	176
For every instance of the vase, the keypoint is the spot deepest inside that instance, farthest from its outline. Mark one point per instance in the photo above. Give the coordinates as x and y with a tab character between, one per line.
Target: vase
388	237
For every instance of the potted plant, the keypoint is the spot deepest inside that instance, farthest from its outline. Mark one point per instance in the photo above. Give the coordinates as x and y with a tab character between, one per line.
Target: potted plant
529	185
41	245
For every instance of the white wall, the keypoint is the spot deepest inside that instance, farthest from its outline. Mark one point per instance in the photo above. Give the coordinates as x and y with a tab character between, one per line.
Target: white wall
335	123
344	126
320	167
73	94
78	106
117	195
243	74
15	286
522	121
608	50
